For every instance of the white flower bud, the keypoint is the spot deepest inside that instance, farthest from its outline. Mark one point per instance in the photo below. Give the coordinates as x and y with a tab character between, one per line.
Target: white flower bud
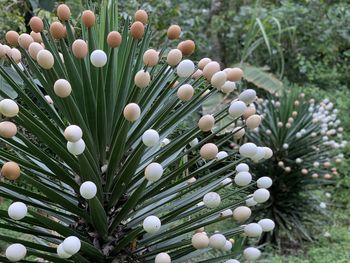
242	167
218	79
194	142
208	151
248	96
260	154
241	213
253	230
174	57
142	79
228	87
253	121
98	58
227	212
61	253
227	182
237	109
248	149
132	112
185	68
151	224
261	195
45	59
217	241
221	155
162	258
250	201
77	147
266	224
164	142
62	88
15	252
228	246
73	133
206	122
200	240
9	108
71	245
264	182
17	211
150	137
243	178
88	190
153	172
251	253
212	200
185	92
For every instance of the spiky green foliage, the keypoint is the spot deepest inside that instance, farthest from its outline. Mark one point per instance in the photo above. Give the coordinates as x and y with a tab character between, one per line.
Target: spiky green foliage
112	154
306	138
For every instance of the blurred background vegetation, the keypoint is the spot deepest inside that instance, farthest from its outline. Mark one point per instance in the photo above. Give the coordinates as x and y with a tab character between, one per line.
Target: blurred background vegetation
302	43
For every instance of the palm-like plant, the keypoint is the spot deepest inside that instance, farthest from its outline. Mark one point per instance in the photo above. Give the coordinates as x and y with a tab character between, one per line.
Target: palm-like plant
117	176
306	138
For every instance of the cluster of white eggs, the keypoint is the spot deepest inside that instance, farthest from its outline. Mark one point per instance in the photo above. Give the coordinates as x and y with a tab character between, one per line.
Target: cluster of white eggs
46	60
73	134
9	109
326	115
256	229
69	247
16	252
237	108
201	240
255	153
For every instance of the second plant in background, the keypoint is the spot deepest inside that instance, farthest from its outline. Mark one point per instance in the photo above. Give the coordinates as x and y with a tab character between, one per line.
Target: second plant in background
306	138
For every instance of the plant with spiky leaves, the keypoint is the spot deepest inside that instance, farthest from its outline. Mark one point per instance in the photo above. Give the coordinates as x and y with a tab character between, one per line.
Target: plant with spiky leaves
306	138
117	177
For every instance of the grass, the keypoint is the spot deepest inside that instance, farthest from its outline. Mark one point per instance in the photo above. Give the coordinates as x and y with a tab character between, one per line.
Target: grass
332	243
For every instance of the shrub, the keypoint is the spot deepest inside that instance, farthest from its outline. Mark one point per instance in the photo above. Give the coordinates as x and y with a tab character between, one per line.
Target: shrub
98	132
306	138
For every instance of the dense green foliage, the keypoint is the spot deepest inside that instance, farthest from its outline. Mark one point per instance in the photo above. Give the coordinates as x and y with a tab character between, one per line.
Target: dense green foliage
312	35
332	238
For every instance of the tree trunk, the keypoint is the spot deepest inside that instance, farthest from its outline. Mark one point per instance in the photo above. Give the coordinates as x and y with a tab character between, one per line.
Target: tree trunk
217	47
